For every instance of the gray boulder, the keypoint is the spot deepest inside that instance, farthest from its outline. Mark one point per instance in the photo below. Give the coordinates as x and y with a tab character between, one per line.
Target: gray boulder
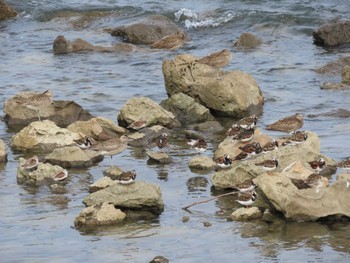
186	109
234	94
247	41
99	215
6	11
143	108
147	136
73	156
148	30
44	135
3	153
332	34
138	196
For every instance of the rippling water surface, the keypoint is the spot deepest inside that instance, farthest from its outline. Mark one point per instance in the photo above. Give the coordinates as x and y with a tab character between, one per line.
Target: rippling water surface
36	225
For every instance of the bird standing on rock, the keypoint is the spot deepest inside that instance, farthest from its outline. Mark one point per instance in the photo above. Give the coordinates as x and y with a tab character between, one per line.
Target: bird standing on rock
248	122
247	198
288	124
162	141
170	42
217	60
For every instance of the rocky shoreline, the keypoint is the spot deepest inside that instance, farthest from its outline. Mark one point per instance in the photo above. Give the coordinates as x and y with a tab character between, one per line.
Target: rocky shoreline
64	135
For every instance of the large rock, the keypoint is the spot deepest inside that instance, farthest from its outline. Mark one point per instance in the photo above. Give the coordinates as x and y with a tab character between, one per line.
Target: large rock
43	172
332	34
186	109
234	93
247	41
138	195
62	113
305	204
98	128
6	11
148	30
3	153
74	156
44	135
99	215
286	155
146	109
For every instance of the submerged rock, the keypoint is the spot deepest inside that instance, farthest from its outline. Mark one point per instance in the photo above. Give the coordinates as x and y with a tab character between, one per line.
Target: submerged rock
247	41
3	153
99	215
230	93
44	135
160	157
6	11
243	214
61	45
137	196
334	67
98	128
148	30
345	75
332	34
74	156
186	109
20	112
143	108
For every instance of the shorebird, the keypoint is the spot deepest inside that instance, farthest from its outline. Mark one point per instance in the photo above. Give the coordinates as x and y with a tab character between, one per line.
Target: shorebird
314	181
246	135
297	137
345	164
251	148
38	101
241	156
268	165
248	122
234	132
126	177
217	60
112	146
288	124
84	143
60	176
224	161
137	125
170	42
162	141
246	186
270	146
247	198
31	163
318	165
200	145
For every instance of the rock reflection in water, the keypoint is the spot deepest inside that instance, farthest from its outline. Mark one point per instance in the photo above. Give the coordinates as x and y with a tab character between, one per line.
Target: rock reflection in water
197	184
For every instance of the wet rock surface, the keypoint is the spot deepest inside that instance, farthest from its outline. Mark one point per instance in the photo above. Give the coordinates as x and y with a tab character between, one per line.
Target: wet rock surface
3	152
244	214
247	41
148	30
332	34
6	11
136	196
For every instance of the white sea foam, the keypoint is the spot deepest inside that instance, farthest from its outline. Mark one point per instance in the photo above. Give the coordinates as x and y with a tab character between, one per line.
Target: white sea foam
194	20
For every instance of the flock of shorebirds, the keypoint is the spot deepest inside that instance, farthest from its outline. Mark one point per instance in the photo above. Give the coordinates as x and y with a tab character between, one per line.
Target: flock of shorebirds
242	131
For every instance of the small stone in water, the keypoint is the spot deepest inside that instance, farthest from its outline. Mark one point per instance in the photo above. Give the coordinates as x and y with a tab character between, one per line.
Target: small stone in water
207	224
185	219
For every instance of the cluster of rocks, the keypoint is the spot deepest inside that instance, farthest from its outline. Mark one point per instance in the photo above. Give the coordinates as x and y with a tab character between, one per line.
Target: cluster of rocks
196	96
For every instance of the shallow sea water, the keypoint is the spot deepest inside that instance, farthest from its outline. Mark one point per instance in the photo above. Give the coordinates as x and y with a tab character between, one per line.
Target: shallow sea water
37	226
